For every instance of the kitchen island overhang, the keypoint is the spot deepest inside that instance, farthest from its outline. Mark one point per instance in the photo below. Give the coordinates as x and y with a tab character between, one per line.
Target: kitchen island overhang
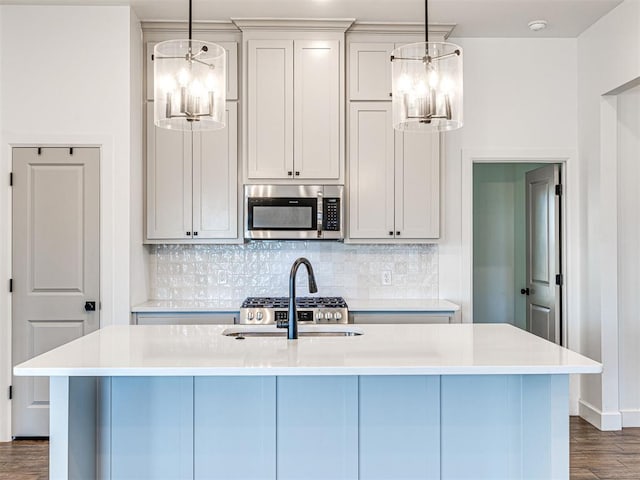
398	401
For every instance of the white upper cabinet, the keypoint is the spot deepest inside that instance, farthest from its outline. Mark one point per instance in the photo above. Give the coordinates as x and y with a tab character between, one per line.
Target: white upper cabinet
417	185
371	171
394	178
192	183
317	109
370	71
270	108
168	181
215	180
294	121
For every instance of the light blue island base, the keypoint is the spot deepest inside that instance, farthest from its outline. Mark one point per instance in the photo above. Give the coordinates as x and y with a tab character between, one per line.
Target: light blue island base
311	427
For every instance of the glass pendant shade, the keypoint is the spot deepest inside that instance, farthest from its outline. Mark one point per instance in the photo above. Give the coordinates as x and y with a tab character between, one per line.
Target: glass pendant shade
189	85
427	86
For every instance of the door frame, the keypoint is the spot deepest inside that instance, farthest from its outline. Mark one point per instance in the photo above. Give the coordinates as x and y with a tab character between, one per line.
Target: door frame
570	244
114	295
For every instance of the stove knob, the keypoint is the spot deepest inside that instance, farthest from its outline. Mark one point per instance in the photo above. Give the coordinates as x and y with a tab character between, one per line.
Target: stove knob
328	315
319	316
337	316
249	315
258	316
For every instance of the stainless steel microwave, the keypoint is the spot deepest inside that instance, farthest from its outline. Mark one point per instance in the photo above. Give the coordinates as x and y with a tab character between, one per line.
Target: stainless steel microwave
294	212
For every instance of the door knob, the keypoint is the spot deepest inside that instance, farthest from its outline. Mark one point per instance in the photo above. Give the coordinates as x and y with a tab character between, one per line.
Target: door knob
89	306
524	291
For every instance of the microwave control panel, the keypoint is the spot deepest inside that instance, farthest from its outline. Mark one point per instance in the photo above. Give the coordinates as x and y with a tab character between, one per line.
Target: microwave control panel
331	212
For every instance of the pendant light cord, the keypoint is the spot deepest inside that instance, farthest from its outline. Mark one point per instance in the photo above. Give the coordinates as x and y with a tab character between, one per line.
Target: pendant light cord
426	21
190	20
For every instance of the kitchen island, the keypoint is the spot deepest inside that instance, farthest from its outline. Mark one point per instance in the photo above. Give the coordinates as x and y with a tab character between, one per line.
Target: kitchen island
391	401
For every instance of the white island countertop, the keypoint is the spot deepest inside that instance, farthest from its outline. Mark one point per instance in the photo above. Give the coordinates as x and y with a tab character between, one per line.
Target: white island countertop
202	350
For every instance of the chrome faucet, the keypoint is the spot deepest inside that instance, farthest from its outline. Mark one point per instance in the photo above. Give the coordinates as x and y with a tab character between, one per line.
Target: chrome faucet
292	325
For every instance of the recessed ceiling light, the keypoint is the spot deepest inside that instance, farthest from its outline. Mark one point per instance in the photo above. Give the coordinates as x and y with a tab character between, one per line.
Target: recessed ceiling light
537	25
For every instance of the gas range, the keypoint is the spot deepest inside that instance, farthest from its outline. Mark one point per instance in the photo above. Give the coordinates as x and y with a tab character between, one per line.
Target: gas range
268	310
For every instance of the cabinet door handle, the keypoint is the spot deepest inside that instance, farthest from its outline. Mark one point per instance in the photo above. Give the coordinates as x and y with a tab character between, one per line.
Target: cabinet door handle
188	234
290	173
195	234
297	174
397	233
391	234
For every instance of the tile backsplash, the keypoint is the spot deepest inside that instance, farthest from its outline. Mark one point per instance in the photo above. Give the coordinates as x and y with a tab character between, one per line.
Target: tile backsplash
229	273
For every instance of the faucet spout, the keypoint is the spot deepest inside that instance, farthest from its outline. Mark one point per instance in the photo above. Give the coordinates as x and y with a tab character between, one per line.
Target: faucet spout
292	325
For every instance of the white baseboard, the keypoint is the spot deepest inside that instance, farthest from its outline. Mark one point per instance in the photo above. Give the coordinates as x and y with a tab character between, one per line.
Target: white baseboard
630	418
605	421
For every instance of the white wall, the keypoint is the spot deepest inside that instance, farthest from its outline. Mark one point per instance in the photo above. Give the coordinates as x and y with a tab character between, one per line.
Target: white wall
65	79
629	255
608	59
519	94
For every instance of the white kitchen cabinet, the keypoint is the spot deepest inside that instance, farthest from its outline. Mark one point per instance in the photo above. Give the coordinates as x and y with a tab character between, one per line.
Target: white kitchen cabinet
394	178
400	317
185	318
294	110
192	182
231	49
370	71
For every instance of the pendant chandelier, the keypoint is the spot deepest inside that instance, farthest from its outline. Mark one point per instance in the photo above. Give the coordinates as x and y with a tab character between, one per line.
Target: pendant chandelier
189	84
427	84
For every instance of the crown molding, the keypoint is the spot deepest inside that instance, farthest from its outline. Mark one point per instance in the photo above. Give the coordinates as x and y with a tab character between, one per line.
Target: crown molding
395	28
183	27
305	24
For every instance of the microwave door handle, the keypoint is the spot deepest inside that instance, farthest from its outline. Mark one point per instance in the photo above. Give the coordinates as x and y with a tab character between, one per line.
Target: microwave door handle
320	214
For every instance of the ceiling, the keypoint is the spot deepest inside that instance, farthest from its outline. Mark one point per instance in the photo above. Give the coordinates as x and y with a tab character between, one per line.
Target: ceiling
474	18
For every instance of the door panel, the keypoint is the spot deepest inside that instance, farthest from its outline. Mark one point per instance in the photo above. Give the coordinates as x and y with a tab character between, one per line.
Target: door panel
168	181
215	176
56	260
543	252
417	185
317	109
371	171
270	108
370	71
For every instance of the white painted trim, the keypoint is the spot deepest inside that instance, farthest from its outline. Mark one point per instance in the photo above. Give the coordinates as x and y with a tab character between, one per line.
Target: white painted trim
299	24
570	243
395	28
114	261
607	244
605	421
630	417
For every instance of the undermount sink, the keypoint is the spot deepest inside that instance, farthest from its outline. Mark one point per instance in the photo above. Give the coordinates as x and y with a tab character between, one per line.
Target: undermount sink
304	331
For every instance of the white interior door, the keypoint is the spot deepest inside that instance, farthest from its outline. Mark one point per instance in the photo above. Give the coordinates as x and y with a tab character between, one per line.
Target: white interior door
55	262
543	253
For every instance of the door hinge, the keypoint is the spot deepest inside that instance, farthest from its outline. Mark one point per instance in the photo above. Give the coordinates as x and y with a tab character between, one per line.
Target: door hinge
559	189
10	392
559	279
11	285
11	179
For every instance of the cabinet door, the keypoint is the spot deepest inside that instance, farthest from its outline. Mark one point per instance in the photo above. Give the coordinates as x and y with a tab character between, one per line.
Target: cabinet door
371	170
317	109
370	71
168	182
417	191
215	180
270	109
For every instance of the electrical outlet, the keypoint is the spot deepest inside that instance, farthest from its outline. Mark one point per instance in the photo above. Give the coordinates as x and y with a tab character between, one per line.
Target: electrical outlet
387	279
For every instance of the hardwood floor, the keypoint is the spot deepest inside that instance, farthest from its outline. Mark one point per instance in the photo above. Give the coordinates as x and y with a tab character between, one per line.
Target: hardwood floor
595	455
24	460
